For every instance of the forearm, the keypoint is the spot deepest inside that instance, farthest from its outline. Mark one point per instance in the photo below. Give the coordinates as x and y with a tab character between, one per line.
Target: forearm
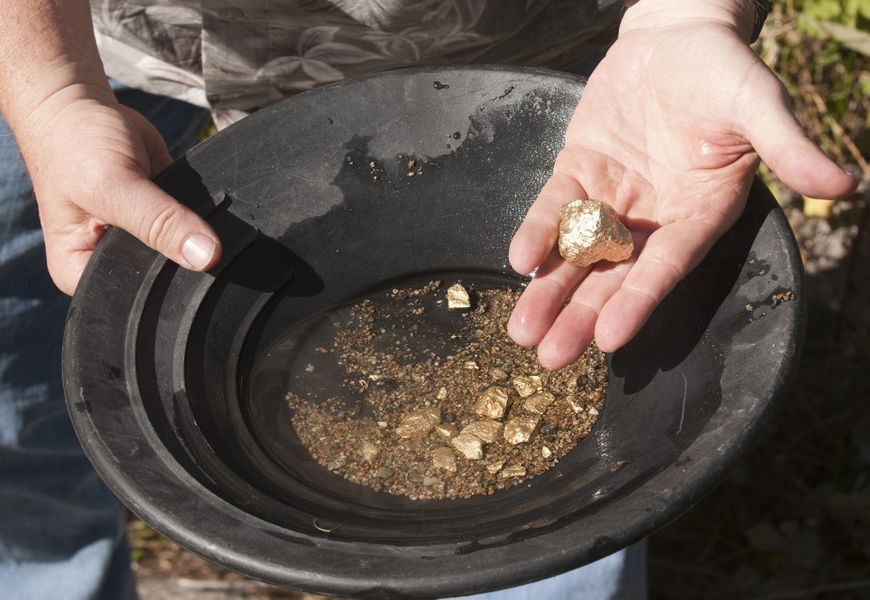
47	49
736	14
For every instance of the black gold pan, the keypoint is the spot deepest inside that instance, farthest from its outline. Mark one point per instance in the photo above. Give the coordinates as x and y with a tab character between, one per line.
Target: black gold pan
175	380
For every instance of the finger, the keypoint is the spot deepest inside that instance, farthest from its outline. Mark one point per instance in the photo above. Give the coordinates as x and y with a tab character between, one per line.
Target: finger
66	266
669	254
154	217
573	330
542	300
67	253
781	142
539	231
70	236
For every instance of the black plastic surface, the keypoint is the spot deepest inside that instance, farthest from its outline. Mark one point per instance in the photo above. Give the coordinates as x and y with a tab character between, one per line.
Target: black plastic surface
174	379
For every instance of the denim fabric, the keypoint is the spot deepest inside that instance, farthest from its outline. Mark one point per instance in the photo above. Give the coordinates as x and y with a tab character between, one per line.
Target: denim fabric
61	531
620	576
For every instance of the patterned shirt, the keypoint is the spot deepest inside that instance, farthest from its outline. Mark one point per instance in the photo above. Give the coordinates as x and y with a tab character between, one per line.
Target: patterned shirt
238	55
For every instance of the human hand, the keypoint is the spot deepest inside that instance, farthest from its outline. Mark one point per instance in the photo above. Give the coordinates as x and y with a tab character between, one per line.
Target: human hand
669	131
91	161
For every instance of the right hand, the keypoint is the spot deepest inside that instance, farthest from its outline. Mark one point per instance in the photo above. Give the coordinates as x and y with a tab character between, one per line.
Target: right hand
91	161
669	131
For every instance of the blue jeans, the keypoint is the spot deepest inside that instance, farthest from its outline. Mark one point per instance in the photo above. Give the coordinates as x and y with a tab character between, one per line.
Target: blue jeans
61	530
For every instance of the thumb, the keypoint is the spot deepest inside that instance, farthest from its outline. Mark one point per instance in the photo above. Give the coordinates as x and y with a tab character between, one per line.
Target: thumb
144	210
782	143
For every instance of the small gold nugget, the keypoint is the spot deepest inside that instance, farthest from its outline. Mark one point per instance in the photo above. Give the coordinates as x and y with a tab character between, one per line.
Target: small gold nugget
591	231
443	458
446	430
369	450
538	403
493	402
513	471
521	429
486	430
418	423
470	446
457	297
527	385
494	467
498	375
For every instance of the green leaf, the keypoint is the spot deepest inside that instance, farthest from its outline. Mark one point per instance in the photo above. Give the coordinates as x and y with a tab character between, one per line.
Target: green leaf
824	10
851	38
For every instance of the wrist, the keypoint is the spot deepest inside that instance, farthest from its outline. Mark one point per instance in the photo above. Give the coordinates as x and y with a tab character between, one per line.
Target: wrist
35	100
47	48
737	15
35	125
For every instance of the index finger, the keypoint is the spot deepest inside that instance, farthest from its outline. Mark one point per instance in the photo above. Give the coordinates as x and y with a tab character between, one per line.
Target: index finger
539	231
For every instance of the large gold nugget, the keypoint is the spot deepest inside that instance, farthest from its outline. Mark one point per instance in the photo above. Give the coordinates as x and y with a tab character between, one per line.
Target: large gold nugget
591	231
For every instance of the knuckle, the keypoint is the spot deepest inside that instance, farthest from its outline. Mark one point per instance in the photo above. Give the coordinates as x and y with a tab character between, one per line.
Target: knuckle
643	295
582	306
660	261
162	226
566	162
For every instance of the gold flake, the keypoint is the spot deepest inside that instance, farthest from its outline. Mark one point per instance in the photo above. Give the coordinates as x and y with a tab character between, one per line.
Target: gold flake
442	394
470	365
593	411
591	231
546	452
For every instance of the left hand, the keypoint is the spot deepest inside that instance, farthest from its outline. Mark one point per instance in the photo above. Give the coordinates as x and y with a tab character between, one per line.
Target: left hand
669	131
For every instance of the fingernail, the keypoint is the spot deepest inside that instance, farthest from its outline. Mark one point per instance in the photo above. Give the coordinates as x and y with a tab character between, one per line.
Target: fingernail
198	251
